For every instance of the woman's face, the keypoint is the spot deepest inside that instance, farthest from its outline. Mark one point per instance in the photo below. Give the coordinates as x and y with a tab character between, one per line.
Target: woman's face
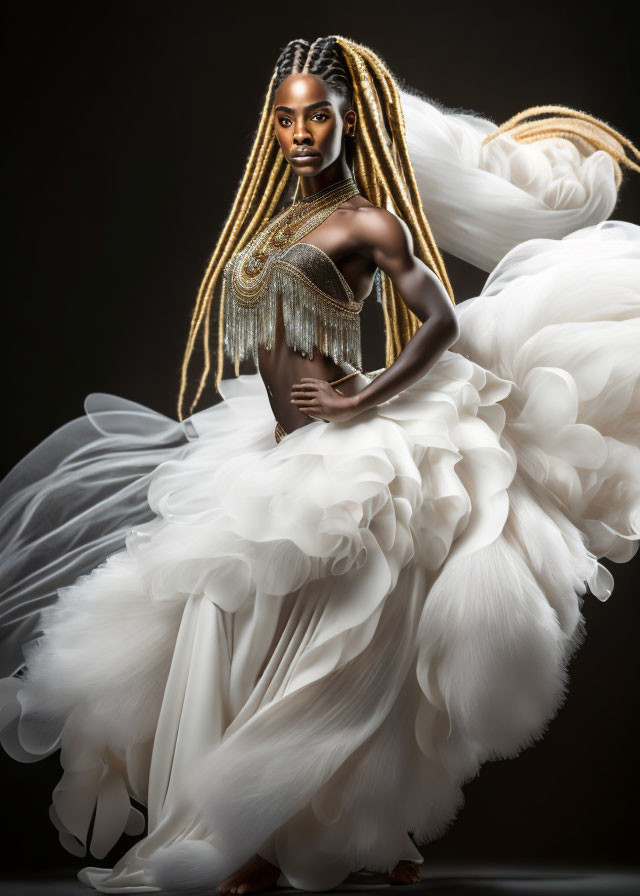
309	124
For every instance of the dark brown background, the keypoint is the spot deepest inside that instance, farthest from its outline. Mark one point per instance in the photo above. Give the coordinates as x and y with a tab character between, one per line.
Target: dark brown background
126	130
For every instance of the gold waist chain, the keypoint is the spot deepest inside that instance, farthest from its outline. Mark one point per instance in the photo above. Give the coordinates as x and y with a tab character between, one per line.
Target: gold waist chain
281	432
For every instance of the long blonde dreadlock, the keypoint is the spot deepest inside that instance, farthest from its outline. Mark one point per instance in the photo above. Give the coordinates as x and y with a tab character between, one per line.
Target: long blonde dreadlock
381	168
574	125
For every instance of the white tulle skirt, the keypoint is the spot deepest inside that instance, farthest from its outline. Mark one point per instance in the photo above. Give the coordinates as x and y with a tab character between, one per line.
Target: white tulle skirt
305	649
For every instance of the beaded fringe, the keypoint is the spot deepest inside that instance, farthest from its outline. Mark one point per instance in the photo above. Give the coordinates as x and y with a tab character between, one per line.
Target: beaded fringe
311	320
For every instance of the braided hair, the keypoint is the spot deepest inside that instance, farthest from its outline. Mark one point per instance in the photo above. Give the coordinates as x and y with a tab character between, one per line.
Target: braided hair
379	158
322	58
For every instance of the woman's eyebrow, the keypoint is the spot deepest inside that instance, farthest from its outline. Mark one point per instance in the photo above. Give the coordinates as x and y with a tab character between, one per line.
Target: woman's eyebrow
306	108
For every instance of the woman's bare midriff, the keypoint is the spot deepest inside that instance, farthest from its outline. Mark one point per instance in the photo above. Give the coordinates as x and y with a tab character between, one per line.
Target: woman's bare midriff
281	367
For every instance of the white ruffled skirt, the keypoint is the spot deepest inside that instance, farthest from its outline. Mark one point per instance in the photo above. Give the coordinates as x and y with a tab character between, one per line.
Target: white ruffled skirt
305	649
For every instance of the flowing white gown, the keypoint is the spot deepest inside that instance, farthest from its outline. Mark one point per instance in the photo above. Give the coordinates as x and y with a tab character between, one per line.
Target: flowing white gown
304	649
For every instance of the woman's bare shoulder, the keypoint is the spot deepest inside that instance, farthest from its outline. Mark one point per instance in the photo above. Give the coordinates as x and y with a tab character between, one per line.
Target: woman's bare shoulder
378	228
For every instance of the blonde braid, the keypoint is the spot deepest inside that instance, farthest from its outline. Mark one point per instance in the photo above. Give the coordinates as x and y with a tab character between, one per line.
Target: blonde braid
247	215
384	171
574	125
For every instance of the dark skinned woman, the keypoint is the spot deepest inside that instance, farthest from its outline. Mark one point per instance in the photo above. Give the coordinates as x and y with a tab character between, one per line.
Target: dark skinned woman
292	624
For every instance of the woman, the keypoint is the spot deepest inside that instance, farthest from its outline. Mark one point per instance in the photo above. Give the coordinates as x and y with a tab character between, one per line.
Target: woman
339	593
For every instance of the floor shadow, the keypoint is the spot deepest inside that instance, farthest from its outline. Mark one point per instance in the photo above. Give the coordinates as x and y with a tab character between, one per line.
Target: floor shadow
445	881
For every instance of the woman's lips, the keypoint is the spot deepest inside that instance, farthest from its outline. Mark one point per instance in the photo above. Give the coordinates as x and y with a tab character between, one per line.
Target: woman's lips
305	157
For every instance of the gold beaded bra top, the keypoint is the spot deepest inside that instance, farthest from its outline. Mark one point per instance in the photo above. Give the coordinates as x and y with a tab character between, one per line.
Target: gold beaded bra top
318	306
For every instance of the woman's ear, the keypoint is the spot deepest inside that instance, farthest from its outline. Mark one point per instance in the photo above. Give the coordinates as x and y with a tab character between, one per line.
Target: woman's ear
350	119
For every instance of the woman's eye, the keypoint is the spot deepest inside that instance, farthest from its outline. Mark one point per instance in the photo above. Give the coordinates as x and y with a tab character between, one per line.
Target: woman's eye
284	121
323	114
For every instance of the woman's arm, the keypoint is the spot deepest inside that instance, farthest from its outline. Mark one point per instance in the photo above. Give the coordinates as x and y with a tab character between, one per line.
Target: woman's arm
385	239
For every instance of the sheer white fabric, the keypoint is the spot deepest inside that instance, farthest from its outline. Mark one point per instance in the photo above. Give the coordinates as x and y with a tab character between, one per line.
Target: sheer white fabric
481	201
305	649
70	502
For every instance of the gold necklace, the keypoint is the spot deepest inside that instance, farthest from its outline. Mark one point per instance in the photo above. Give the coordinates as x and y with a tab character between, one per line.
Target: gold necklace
251	267
258	280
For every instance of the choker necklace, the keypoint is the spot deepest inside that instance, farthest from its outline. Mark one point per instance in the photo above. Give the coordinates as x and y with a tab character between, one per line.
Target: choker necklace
340	184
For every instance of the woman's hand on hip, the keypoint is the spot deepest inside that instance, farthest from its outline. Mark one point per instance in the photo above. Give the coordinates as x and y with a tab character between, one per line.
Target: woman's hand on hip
318	399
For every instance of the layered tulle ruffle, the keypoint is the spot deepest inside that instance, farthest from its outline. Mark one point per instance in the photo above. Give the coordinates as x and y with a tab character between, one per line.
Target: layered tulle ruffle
306	648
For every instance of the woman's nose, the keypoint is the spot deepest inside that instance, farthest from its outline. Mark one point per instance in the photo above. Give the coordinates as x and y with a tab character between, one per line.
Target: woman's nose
301	134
